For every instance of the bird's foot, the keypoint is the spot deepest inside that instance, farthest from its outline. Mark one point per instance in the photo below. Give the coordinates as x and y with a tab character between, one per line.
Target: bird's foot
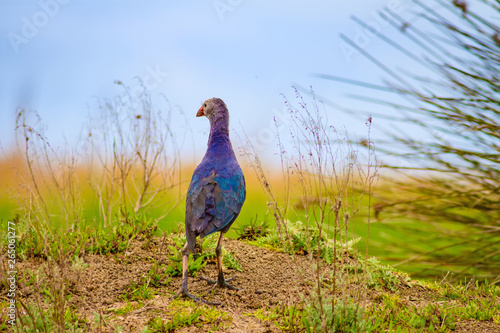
183	292
223	283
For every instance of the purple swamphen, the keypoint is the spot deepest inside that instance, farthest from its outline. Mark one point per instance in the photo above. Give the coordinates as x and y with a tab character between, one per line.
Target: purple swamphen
216	193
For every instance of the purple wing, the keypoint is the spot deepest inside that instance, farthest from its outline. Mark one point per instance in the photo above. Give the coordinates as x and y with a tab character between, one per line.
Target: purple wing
213	202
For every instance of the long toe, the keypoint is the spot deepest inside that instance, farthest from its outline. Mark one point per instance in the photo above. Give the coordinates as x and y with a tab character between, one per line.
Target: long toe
184	293
209	281
222	284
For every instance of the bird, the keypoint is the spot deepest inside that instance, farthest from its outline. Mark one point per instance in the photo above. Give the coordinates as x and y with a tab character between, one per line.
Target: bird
215	195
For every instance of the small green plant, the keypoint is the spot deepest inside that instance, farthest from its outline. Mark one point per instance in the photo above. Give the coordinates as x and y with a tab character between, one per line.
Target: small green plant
378	275
174	268
333	315
87	236
187	313
157	275
79	264
29	277
127	308
290	319
481	309
271	241
286	318
117	237
39	320
179	320
477	302
100	320
395	313
263	314
196	263
138	291
306	240
229	260
253	230
157	325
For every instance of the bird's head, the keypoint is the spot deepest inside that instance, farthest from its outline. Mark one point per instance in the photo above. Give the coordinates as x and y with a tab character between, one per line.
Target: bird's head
212	108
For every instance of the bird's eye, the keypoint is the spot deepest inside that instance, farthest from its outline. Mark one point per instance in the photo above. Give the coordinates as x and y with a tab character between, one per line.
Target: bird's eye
205	105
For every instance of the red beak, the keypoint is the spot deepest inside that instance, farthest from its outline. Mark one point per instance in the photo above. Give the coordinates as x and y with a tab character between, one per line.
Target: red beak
201	112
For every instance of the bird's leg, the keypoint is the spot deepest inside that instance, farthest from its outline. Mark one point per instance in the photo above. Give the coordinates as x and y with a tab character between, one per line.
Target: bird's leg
183	290
221	282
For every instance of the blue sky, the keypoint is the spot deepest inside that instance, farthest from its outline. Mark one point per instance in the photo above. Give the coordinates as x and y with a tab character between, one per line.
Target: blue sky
245	52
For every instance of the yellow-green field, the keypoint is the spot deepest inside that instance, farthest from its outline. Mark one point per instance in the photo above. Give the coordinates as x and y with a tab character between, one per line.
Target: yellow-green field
392	240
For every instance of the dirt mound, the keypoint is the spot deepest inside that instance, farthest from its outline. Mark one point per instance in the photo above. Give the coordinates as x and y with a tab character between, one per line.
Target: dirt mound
268	278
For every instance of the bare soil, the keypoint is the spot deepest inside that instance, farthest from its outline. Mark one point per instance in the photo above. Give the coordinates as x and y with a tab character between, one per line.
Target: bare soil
268	278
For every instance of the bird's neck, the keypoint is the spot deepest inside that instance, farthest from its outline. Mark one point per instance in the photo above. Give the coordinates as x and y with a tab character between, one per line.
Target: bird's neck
219	136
